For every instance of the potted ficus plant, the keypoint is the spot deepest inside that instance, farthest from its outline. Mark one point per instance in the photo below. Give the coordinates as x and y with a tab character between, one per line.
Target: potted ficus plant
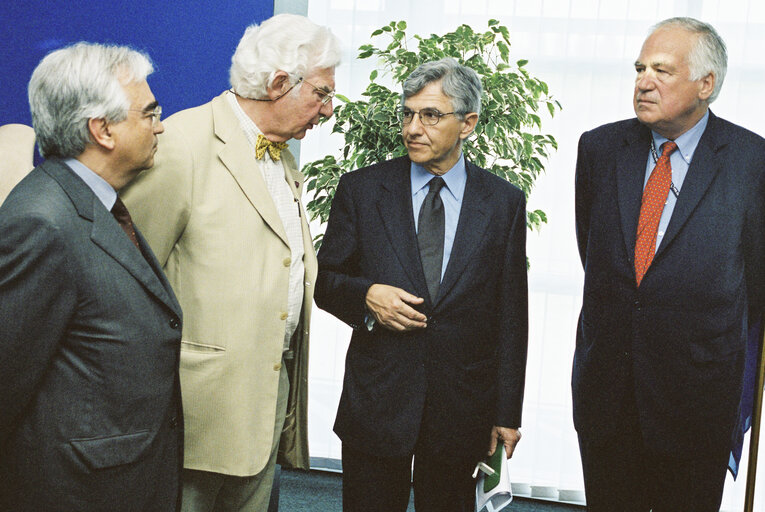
506	141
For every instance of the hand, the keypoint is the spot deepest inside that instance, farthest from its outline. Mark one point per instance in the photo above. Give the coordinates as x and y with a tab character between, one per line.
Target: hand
509	437
391	308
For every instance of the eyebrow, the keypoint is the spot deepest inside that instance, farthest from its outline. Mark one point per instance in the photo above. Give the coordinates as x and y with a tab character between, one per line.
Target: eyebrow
656	64
324	88
151	106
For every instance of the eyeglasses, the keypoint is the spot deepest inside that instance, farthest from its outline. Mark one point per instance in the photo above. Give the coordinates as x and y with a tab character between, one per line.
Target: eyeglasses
325	96
155	114
428	116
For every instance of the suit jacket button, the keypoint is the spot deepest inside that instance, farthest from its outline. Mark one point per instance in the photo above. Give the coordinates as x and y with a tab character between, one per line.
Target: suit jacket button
277	367
173	422
174	323
287	262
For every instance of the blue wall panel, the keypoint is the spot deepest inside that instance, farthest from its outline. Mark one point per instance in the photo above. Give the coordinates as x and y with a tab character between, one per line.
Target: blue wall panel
190	42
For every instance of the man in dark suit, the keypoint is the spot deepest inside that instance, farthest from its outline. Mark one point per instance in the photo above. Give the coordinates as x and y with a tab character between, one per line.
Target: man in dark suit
89	326
670	226
424	256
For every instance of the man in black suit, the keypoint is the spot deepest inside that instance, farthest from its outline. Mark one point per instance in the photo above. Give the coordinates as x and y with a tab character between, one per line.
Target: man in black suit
89	326
425	257
670	227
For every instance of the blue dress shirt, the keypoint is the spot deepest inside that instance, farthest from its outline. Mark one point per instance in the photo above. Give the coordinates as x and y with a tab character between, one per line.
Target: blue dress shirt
451	196
105	192
680	160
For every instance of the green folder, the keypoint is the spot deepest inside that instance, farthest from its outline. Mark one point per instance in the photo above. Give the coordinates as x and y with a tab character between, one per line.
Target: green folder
494	462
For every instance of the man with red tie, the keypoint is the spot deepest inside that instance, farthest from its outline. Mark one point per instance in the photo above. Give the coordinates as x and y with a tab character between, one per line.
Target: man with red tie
671	229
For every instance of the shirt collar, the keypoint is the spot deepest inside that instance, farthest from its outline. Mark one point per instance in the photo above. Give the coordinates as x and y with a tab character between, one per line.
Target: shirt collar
687	142
103	191
249	127
455	178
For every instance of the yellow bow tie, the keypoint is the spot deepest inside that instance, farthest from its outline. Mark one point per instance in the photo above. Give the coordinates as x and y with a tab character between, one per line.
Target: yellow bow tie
274	148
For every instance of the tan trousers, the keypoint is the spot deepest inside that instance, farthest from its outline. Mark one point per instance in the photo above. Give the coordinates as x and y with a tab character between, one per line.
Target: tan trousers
204	491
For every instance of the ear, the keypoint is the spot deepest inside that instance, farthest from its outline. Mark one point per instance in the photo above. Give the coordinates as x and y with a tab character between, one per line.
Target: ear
101	133
279	84
468	125
707	86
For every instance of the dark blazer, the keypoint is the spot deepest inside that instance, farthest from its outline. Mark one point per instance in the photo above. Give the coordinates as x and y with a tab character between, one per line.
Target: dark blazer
681	336
90	336
449	383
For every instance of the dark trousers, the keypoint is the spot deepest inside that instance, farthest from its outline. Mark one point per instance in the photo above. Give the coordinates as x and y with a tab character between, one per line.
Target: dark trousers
623	473
382	484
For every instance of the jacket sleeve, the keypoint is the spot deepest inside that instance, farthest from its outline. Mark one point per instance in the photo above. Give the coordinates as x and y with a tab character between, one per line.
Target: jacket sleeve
754	239
38	297
340	286
582	199
514	324
159	199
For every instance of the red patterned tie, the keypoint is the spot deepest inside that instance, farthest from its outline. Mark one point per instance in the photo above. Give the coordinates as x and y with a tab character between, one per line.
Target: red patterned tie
122	215
654	197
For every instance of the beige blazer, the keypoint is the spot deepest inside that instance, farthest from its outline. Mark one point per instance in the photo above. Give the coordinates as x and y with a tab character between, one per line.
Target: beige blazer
206	212
17	146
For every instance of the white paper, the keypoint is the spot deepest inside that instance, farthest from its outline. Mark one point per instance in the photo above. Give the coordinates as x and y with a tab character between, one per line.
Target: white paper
500	496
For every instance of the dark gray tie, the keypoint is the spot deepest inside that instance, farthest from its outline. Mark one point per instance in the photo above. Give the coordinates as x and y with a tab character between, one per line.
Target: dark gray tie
430	236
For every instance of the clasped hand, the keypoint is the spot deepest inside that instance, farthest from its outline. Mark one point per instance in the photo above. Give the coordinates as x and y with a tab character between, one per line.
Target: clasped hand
392	308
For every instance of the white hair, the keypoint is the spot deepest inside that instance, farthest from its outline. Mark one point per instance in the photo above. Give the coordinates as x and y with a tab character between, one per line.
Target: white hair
77	83
285	42
708	55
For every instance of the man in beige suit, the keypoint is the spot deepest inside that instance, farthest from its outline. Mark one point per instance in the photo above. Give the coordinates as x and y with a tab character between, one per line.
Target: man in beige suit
221	209
17	146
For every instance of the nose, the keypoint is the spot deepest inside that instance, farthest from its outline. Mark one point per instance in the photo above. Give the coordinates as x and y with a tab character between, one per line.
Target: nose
644	81
159	128
415	125
326	109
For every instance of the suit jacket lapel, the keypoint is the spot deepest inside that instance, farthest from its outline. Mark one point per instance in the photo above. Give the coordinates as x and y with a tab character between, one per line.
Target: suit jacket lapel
701	173
107	234
395	207
471	226
240	162
630	176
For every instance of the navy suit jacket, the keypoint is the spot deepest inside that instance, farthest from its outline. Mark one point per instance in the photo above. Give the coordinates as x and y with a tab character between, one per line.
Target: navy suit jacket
678	340
89	337
449	383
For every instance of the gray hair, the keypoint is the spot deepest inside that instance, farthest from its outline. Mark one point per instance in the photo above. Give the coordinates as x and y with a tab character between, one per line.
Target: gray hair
460	83
709	54
285	42
77	83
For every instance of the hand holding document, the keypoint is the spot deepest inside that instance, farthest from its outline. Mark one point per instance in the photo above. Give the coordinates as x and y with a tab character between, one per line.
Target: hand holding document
492	489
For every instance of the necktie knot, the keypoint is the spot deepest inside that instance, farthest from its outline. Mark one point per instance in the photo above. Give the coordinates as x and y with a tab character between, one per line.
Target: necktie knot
274	148
668	148
435	185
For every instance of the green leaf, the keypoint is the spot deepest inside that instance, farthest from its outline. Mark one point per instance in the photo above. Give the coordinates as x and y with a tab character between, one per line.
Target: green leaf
401	25
522	63
504	50
373	75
